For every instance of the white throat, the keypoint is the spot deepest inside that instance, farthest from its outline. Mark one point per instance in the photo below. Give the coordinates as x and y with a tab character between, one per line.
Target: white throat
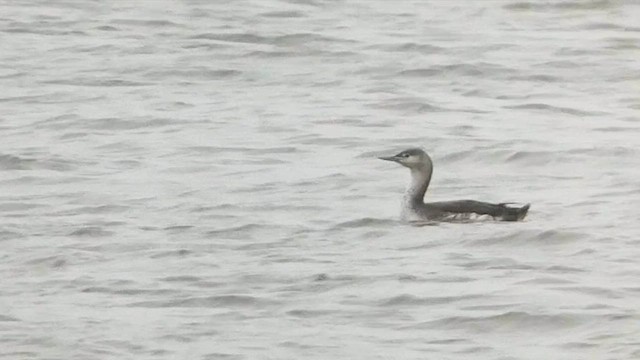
414	195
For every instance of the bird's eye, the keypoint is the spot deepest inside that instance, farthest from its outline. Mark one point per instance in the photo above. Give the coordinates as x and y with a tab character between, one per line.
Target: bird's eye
405	155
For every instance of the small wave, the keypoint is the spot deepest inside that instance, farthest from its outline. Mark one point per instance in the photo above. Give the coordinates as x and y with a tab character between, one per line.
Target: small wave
266	245
182	278
282	40
227	301
171	253
624	44
411	300
262	54
201	74
283	14
561	5
4	318
306	38
148	23
321	277
365	222
178	228
13	162
10	74
125	124
592	291
610	26
546	280
93	82
219	355
117	291
621	129
532	237
457	155
471	70
560	64
562	269
408	105
243	150
614	151
544	78
578	345
237	38
354	122
499	263
44	31
508	322
306	313
51	261
532	157
410	47
287	207
23	99
236	232
555	109
10	235
91	231
101	209
194	281
107	28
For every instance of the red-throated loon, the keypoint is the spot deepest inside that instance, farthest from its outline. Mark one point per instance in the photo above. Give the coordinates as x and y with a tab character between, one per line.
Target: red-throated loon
414	207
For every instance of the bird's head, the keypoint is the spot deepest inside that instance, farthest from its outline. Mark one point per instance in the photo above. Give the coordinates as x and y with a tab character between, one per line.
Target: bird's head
411	158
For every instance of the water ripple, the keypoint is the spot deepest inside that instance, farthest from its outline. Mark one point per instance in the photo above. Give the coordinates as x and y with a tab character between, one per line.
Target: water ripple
218	301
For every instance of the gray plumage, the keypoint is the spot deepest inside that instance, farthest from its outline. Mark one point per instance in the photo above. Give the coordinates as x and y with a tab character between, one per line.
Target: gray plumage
414	207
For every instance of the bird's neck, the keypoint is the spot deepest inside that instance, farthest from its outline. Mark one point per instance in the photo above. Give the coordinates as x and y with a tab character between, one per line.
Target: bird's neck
420	178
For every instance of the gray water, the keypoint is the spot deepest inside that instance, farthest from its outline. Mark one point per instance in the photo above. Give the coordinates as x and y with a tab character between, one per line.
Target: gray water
198	179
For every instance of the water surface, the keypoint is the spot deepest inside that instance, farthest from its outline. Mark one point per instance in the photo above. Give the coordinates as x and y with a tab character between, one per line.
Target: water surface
198	180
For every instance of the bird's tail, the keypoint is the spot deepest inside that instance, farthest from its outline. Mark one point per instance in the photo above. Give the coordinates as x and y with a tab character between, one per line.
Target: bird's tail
514	213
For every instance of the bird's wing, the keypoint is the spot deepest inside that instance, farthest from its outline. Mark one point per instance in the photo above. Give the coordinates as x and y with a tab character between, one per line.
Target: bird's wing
501	211
468	206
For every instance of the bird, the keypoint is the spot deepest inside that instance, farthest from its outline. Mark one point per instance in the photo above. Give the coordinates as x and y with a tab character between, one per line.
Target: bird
415	209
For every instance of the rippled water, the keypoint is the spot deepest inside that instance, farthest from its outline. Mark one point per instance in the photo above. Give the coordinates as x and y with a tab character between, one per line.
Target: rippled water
198	179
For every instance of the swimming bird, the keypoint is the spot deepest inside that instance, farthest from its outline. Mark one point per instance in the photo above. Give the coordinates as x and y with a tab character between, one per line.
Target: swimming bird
415	209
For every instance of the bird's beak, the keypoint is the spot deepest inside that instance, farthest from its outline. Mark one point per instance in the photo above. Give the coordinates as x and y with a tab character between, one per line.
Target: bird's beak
389	158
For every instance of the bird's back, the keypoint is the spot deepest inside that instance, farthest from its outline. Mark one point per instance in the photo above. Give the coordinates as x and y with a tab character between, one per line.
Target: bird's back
465	208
